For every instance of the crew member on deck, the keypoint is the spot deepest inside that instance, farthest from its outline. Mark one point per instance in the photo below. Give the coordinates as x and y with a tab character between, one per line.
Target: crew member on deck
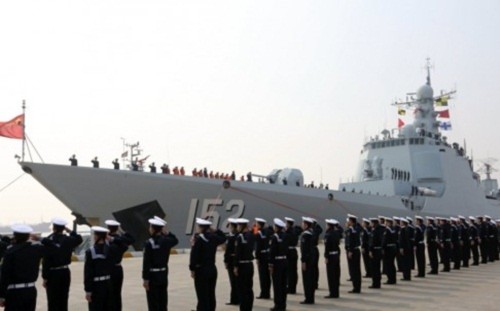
152	167
73	160
155	264
122	240
165	169
55	269
95	162
116	164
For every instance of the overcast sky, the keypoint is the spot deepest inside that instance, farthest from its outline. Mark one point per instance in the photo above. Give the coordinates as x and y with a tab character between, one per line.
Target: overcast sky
234	85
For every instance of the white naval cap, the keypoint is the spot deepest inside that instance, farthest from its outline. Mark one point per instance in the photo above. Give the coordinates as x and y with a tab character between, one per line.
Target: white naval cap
99	229
112	223
278	222
58	221
203	222
289	219
472	218
429	218
487	217
257	219
396	218
409	219
231	220
21	228
374	219
381	217
242	221
453	219
307	219
405	220
160	219
352	216
498	220
366	220
461	217
156	222
419	217
332	221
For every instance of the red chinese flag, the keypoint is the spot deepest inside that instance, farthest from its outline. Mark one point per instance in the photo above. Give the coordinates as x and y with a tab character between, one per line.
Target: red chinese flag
400	123
445	114
13	128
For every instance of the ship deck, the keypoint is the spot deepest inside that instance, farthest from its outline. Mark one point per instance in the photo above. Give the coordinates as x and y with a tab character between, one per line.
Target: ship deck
474	288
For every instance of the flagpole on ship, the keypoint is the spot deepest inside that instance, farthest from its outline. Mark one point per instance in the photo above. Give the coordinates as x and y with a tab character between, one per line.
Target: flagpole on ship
24	130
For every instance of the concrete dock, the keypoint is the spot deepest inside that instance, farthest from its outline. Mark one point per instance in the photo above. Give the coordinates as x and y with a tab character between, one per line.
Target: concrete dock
474	288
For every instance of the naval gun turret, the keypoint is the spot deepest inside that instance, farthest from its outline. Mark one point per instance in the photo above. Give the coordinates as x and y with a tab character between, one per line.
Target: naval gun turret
285	176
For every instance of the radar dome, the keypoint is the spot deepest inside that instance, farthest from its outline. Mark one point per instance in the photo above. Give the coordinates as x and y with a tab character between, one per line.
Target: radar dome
409	131
425	92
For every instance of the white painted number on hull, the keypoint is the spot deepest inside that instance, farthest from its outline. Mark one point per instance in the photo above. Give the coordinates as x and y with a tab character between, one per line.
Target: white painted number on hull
212	209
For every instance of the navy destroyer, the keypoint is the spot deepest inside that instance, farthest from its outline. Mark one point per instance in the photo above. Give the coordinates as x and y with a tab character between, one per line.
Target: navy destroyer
411	171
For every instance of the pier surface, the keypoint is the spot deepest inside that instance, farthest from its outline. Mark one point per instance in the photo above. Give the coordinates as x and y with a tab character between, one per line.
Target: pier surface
474	288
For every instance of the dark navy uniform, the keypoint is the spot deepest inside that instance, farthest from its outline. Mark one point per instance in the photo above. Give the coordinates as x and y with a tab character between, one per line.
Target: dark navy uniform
365	242
122	242
445	240
262	256
307	258
353	247
293	234
465	239
375	249
389	245
397	228
411	234
202	263
317	230
20	270
484	244
456	253
278	248
406	250
243	263
492	240
332	257
155	269
474	242
229	253
55	268
420	249
99	261
432	247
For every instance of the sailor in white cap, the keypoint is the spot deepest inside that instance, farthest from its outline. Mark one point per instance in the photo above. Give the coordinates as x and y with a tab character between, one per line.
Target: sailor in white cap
366	233
445	241
243	264
492	239
123	240
431	233
278	247
155	263
483	237
332	257
405	249
293	234
202	263
97	271
397	230
419	246
375	251
411	229
464	227
317	230
307	259
55	265
455	241
474	240
353	248
262	256
20	270
229	254
390	248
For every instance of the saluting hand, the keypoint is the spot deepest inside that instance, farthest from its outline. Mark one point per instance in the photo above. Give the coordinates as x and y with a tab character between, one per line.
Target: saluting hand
44	283
88	297
193	274
235	271
145	284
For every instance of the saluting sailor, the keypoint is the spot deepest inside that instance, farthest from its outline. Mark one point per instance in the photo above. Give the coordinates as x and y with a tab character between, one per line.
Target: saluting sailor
243	264
97	270
278	248
20	269
155	264
202	263
332	257
55	268
122	240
